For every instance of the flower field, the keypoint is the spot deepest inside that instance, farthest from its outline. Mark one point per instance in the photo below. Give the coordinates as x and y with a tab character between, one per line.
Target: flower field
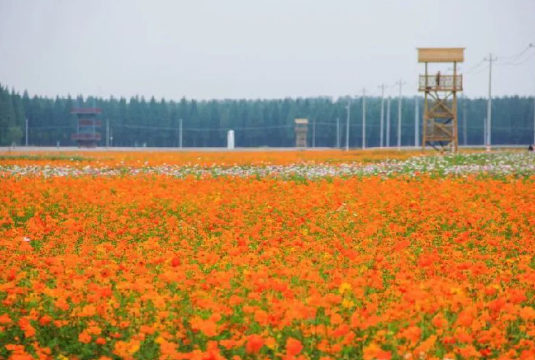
311	255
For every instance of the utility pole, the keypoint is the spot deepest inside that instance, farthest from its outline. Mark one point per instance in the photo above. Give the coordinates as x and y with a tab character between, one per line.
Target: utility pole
490	59
107	133
416	122
26	132
364	118
400	83
180	134
388	122
337	133
484	131
382	123
465	125
314	133
347	122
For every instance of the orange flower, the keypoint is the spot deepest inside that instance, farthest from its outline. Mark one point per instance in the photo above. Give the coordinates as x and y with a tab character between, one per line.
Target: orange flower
207	327
527	313
254	344
293	346
374	351
201	263
84	337
5	319
28	329
126	349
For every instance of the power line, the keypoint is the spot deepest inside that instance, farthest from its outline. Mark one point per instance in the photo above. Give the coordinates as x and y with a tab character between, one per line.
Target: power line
473	68
204	129
51	127
326	124
262	127
516	56
512	63
184	129
144	127
480	71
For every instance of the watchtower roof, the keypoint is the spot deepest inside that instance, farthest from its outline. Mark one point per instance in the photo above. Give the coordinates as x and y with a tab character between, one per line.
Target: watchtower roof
440	55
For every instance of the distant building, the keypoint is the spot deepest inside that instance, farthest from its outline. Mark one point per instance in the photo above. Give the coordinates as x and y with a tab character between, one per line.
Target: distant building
301	129
86	131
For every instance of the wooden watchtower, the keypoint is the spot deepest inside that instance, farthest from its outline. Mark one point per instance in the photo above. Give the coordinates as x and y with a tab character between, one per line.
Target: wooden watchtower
301	130
86	129
440	106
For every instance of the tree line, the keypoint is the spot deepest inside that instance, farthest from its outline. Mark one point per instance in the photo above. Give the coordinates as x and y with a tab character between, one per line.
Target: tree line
156	123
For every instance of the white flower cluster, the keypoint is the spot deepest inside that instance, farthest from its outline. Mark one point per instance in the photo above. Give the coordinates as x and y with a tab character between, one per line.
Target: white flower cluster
494	165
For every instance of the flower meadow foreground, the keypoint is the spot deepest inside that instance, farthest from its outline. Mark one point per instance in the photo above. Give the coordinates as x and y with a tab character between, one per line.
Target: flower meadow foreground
144	264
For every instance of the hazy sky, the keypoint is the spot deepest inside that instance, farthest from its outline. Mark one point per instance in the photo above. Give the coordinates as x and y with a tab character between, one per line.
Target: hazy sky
256	48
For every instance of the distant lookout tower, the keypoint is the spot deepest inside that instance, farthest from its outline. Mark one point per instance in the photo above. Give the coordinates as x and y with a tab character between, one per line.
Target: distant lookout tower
86	131
301	130
440	106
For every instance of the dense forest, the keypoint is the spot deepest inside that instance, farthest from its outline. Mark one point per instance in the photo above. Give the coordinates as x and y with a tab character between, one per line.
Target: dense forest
141	122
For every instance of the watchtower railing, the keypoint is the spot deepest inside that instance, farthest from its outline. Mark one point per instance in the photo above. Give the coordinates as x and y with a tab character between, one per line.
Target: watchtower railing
440	83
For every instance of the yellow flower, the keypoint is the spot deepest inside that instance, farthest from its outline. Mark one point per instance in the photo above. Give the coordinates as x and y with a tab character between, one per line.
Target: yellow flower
344	287
347	303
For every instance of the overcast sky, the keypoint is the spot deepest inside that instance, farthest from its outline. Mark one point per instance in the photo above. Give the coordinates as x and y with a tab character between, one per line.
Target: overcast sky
207	49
